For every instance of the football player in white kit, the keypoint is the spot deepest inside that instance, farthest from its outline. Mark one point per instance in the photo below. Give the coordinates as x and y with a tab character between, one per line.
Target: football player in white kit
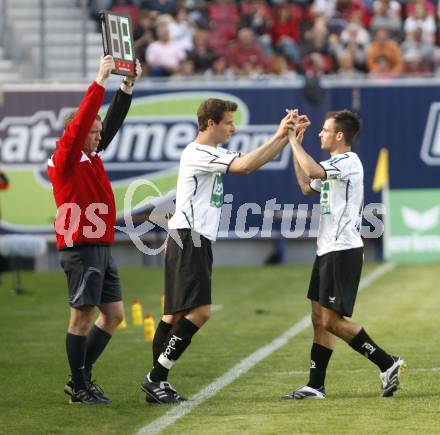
337	268
193	227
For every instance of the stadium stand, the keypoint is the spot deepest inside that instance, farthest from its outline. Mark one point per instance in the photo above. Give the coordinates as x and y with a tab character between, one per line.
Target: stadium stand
64	24
296	36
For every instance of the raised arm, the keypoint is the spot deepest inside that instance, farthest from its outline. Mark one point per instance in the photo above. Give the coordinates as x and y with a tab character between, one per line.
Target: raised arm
72	141
118	109
309	167
250	162
301	177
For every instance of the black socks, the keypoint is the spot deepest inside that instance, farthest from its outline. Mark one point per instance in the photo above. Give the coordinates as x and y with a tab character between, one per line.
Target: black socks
179	339
160	336
363	344
97	340
320	357
76	354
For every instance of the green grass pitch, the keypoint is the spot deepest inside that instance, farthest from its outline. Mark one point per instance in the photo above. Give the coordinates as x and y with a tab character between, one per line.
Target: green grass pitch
399	310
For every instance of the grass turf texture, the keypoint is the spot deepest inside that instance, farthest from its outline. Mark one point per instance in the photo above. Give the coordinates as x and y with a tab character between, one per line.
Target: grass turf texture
400	311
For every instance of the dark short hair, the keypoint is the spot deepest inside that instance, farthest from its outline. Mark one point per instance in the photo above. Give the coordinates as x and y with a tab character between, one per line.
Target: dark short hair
348	122
213	108
68	118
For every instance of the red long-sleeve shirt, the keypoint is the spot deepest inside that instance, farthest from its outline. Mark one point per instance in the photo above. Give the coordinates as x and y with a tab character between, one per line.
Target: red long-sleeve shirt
82	190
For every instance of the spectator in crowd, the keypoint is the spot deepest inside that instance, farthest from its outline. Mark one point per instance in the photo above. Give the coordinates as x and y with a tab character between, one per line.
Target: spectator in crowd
355	39
421	19
316	49
126	7
316	64
143	35
384	54
219	70
285	32
245	57
345	9
413	47
346	65
181	29
96	6
186	70
385	17
411	4
414	65
164	55
223	19
279	67
325	8
257	16
202	55
160	6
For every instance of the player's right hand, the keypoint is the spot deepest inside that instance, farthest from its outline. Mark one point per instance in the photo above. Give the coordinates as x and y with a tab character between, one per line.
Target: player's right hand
106	65
288	122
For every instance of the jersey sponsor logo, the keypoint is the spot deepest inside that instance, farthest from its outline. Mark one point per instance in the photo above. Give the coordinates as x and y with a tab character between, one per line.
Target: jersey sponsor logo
217	191
325	198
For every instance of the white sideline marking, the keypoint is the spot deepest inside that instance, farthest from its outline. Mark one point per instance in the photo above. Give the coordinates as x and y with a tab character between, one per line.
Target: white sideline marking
243	366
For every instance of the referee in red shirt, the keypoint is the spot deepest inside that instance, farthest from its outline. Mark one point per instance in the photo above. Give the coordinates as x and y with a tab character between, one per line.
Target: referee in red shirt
84	229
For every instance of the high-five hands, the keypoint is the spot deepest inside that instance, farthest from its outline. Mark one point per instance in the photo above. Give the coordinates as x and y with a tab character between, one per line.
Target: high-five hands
298	125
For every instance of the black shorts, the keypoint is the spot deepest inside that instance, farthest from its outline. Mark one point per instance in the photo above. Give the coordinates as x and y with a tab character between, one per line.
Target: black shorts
335	280
188	272
92	276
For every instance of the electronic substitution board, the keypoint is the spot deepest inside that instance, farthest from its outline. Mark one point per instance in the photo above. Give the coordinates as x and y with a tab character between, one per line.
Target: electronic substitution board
117	39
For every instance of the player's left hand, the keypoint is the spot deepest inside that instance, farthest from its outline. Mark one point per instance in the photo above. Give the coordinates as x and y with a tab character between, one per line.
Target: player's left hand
300	125
288	122
138	71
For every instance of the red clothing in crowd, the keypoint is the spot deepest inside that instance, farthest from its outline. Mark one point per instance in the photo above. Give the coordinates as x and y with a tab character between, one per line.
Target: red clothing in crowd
290	26
240	54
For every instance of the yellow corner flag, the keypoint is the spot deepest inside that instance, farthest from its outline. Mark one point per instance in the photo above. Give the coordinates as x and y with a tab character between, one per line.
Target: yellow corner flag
381	176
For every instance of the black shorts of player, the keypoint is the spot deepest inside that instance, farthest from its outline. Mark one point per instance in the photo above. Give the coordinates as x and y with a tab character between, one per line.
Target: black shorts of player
188	270
335	280
92	276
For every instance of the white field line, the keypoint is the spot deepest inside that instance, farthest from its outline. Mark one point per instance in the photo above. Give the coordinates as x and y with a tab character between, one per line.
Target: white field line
179	411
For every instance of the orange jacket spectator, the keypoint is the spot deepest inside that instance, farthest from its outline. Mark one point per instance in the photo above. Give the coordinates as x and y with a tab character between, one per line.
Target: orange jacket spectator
384	50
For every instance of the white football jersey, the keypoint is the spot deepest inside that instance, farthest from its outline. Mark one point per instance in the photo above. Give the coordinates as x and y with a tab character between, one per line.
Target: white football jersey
199	194
342	201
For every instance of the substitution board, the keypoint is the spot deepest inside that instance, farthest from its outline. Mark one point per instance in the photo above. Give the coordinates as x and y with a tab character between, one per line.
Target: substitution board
117	39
